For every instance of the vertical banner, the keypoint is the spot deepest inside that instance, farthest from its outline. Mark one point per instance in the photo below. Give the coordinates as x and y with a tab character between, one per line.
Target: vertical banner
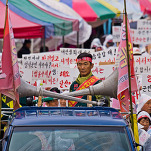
10	80
123	78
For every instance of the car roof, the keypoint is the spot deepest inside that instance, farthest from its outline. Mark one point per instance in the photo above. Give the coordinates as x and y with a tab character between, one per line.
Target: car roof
67	116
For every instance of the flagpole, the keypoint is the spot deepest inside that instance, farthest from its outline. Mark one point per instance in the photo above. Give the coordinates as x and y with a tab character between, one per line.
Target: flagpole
129	72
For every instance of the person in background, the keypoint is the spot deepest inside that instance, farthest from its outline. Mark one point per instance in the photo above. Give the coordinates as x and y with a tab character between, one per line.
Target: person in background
64	103
136	51
48	101
96	44
85	78
54	102
108	41
144	104
143	118
42	49
25	48
145	51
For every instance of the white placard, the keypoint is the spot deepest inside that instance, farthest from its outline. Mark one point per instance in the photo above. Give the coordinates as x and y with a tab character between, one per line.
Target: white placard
143	23
54	57
146	84
142	36
53	80
107	55
69	55
36	64
142	64
42	66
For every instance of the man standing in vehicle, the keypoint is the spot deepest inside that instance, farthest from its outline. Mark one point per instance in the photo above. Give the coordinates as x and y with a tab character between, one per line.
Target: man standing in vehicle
85	78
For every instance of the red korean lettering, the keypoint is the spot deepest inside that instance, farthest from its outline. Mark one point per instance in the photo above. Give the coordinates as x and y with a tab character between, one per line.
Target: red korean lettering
68	61
44	57
149	78
101	70
63	60
56	58
138	60
61	84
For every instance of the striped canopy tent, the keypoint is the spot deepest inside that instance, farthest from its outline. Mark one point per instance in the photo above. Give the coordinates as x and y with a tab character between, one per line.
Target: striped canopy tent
93	11
62	9
54	25
22	28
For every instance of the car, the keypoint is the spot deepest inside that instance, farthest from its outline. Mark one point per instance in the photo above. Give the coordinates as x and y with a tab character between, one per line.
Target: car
66	129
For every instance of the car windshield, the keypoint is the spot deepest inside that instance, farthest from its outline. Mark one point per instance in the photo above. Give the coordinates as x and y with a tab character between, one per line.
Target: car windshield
69	139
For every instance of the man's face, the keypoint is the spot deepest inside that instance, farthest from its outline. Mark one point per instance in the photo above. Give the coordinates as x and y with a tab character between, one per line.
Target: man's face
28	45
84	67
147	107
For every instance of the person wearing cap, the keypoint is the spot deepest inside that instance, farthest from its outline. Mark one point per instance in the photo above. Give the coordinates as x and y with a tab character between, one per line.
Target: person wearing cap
144	104
85	78
54	102
108	41
136	51
47	102
96	44
143	118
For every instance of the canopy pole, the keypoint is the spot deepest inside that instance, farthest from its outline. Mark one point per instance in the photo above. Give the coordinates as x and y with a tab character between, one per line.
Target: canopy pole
44	42
63	41
32	45
77	39
129	71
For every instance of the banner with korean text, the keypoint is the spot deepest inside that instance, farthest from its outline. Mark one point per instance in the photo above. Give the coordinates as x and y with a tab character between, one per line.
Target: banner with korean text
123	78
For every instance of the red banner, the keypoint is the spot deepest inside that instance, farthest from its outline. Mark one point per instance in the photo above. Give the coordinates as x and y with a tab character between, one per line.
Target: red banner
10	80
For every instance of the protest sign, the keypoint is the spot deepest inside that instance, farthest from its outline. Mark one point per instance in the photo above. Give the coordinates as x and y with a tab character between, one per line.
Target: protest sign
146	84
54	57
42	66
142	64
139	35
69	55
107	55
